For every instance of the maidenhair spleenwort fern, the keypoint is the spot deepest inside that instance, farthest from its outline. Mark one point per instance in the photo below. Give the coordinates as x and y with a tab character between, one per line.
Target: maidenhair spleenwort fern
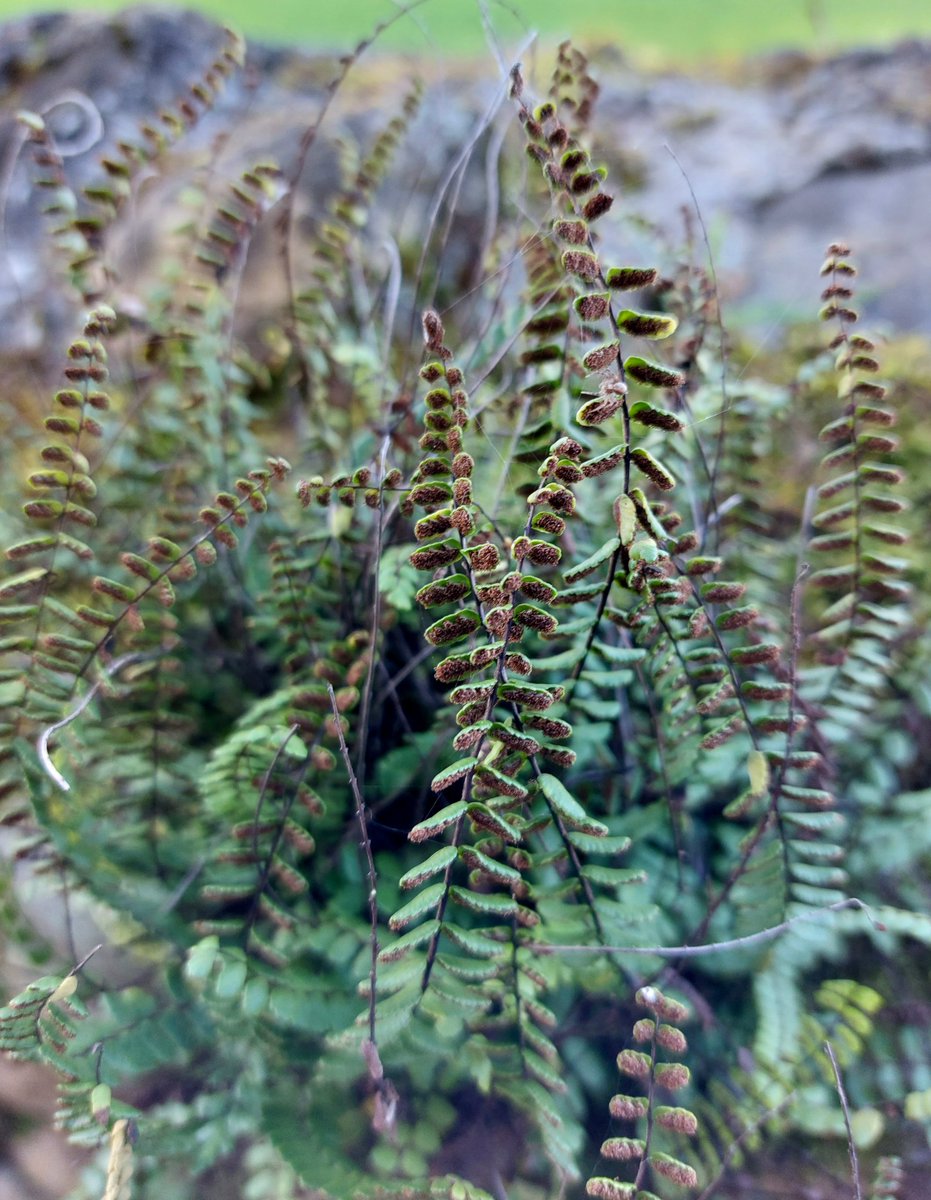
475	903
661	1034
856	522
80	224
506	725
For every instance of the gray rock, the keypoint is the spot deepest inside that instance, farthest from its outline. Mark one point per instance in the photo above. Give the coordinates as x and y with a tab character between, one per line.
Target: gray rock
791	155
783	164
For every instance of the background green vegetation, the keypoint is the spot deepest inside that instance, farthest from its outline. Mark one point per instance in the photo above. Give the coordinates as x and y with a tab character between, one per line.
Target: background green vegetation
676	29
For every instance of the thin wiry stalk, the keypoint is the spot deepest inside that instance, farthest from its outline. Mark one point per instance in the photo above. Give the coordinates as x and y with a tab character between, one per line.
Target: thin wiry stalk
845	1107
366	843
738	943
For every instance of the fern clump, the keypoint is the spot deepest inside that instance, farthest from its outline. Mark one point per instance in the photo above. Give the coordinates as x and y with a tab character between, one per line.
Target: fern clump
406	789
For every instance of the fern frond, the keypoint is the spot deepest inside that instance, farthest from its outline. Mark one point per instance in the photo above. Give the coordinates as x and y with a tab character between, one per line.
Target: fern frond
856	521
81	224
661	1034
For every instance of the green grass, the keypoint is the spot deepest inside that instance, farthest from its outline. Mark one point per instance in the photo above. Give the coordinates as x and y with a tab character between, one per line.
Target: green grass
683	30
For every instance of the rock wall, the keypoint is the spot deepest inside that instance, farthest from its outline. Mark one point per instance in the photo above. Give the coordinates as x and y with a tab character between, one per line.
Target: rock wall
786	157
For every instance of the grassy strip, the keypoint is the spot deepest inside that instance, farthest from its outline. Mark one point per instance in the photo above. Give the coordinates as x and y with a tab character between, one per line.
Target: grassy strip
678	30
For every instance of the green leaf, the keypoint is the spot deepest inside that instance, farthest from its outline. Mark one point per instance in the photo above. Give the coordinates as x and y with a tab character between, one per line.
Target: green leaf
544	1072
621	656
466	968
479	945
602	555
646	550
439	821
626	519
11	613
590	844
568	808
231	979
612	876
254	997
409	941
430	866
423	902
450	774
452	994
608	679
201	957
562	662
757	766
815	821
489	904
646	516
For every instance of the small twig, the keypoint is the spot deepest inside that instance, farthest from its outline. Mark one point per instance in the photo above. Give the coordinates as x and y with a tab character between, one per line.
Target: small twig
390	687
393	294
47	734
42	744
772	812
263	788
85	960
725	402
174	898
842	1096
308	138
750	939
366	843
384	1118
365	707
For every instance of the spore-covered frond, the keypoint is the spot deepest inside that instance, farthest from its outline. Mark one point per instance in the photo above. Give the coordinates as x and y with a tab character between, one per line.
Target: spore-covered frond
857	529
343	268
262	794
573	89
654	1078
507	823
47	642
81	223
225	242
67	658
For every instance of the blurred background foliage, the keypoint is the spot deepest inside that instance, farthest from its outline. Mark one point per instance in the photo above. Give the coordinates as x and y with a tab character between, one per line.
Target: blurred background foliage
663	31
